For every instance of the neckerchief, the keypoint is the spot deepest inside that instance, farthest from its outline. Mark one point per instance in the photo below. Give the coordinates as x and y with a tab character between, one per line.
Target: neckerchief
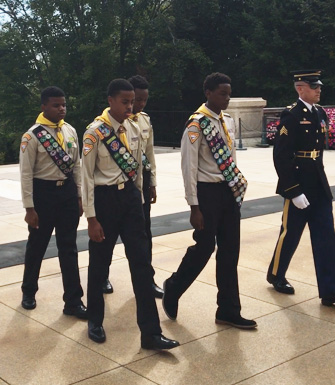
205	111
41	119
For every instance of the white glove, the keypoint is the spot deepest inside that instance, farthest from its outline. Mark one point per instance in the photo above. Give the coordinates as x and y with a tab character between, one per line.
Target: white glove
301	202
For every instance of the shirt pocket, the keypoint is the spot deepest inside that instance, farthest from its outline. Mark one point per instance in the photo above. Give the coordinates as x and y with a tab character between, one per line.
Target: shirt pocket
134	143
145	134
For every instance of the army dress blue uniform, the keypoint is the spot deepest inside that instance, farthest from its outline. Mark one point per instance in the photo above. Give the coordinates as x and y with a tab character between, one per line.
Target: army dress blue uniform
298	159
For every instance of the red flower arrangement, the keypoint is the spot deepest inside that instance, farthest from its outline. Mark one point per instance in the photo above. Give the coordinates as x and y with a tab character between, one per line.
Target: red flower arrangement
272	126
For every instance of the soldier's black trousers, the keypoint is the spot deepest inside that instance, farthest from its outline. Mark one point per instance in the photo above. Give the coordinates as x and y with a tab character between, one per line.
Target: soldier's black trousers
319	216
222	226
120	212
57	208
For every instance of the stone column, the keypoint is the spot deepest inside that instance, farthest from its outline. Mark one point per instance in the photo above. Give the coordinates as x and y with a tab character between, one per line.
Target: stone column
250	111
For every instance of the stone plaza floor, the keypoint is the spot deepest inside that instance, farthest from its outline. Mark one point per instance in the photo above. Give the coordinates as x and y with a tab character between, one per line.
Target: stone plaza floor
293	344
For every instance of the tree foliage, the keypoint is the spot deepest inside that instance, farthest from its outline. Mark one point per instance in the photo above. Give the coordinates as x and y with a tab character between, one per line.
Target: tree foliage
80	45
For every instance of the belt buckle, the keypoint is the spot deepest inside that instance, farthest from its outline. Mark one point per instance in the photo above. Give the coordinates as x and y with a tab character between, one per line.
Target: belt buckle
120	186
314	154
60	183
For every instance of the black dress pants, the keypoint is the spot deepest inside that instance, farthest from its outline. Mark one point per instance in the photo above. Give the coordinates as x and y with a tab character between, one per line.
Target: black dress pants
221	226
319	216
147	219
57	208
120	212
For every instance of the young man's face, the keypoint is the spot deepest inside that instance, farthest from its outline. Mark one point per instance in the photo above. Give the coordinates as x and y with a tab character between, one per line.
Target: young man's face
121	105
218	99
141	98
308	94
55	109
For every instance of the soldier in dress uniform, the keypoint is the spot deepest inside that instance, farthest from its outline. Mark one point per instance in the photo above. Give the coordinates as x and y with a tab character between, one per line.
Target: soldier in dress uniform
51	195
140	118
112	202
298	159
214	188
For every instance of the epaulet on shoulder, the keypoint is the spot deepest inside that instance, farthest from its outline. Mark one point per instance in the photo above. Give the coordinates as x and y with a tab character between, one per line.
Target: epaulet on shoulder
226	114
291	106
94	124
33	127
318	106
144	113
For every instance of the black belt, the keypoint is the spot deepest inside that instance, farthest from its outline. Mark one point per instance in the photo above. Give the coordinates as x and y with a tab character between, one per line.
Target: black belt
308	154
52	183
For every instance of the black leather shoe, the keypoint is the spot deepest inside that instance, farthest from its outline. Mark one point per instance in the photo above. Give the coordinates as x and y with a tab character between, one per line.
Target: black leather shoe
170	304
280	284
238	322
28	302
328	301
96	333
158	292
157	342
107	287
78	311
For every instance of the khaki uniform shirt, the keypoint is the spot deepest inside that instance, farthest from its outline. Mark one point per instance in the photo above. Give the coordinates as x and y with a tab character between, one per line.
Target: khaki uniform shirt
98	166
35	162
197	162
147	141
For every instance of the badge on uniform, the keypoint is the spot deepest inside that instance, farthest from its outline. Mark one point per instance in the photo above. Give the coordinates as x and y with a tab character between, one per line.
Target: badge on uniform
87	148
283	131
193	136
90	137
24	145
27	136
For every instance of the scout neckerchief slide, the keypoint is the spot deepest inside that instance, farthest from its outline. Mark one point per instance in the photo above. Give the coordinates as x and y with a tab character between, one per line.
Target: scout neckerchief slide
62	160
222	156
145	161
126	162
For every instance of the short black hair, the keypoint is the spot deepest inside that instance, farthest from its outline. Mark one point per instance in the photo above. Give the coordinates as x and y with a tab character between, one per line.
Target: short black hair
139	81
51	92
213	80
117	85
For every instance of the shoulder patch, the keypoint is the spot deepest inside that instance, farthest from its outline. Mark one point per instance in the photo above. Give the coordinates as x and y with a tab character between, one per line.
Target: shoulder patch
193	136
90	137
195	124
26	136
87	148
24	145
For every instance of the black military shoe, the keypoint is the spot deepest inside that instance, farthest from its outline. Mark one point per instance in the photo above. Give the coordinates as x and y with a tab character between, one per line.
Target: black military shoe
157	342
158	292
78	311
107	287
169	302
328	301
28	302
280	284
96	333
237	321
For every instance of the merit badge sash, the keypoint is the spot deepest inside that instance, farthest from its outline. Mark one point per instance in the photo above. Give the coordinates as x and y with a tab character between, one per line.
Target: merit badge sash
145	162
126	162
61	159
222	156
